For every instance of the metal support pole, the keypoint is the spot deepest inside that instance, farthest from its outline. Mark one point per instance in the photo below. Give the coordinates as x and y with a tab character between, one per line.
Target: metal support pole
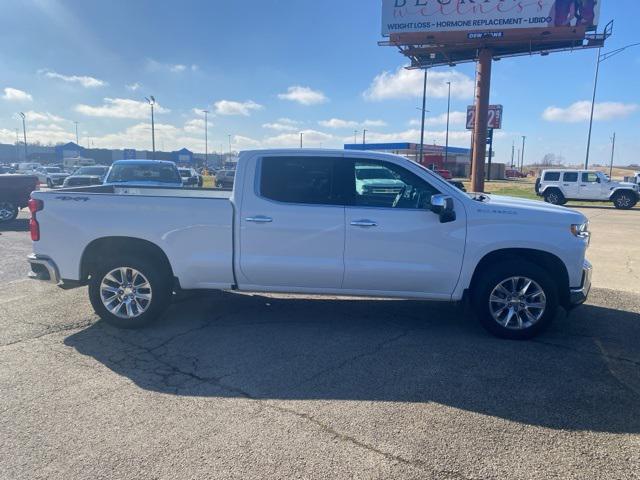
524	138
446	141
513	151
490	139
301	139
593	105
613	151
77	138
364	136
153	133
24	132
424	111
206	138
483	88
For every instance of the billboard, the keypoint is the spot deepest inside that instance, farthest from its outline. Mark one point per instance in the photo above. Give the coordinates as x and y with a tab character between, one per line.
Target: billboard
494	120
486	18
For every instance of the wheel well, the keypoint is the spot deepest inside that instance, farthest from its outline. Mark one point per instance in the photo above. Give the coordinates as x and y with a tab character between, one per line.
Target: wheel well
109	247
551	188
621	190
549	262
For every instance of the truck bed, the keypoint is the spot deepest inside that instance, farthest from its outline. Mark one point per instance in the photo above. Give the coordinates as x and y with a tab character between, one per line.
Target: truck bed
194	227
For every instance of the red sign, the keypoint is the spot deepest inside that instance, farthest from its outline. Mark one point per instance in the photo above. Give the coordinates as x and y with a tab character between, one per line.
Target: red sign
494	121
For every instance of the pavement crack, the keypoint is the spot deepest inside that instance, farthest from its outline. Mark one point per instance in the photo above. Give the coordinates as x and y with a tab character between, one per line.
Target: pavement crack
50	330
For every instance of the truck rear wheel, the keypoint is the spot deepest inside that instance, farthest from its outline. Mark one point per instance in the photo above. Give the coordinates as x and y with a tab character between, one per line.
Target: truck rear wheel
625	200
516	299
8	211
554	197
129	292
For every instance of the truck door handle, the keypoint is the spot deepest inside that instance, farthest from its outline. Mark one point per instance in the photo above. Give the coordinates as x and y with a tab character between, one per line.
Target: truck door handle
364	223
259	219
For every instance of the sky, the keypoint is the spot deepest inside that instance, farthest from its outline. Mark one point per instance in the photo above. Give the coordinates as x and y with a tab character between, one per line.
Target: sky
267	70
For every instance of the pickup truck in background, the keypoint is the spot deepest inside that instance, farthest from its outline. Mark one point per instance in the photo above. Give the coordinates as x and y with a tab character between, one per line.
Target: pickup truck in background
14	194
296	222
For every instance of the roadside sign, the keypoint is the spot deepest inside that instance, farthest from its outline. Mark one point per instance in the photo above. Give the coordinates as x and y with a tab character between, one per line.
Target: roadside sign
494	121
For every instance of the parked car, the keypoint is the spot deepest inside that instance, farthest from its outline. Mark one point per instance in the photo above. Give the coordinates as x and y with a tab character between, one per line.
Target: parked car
372	179
81	181
458	184
190	178
446	174
14	194
52	176
512	173
224	178
295	222
6	169
99	171
28	167
150	173
559	186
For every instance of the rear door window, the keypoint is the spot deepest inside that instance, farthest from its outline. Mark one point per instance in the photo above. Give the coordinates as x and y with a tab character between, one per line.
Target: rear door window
570	177
552	176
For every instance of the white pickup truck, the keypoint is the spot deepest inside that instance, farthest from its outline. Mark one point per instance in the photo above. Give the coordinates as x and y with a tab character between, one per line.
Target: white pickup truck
296	222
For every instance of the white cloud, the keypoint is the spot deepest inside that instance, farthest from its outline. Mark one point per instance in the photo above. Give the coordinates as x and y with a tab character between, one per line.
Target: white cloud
455	118
154	66
45	134
196	125
229	107
581	111
178	68
282	125
413	136
134	86
310	138
15	95
405	83
168	138
303	95
239	142
120	108
338	123
84	80
43	117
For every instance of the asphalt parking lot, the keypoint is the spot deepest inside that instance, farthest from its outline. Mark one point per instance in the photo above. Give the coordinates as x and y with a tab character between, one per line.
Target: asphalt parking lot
257	386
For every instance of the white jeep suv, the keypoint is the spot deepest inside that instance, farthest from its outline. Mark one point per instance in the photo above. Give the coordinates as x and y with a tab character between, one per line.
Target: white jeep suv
559	186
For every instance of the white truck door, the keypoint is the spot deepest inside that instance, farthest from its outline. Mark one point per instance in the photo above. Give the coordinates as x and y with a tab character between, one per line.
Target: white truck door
590	187
291	224
570	186
394	243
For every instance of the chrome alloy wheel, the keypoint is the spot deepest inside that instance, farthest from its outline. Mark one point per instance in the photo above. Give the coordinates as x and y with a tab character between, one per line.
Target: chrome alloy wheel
517	303
125	292
6	211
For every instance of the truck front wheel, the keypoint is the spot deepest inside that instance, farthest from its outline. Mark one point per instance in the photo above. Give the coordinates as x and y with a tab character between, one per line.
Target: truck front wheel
625	200
129	292
515	299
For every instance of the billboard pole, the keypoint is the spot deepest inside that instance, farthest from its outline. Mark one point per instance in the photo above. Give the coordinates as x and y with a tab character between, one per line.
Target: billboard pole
424	109
483	87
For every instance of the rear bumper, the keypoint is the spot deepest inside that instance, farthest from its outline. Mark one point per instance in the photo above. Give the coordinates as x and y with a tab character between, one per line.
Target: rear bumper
43	268
577	296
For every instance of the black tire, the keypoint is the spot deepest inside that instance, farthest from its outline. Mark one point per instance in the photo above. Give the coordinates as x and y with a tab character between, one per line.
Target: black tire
161	290
625	200
8	211
554	197
494	276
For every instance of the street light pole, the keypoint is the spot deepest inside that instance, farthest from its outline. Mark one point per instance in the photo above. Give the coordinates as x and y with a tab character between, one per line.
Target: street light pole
206	137
601	58
355	137
513	151
229	144
301	139
424	110
152	101
613	150
24	132
364	136
446	142
524	138
77	139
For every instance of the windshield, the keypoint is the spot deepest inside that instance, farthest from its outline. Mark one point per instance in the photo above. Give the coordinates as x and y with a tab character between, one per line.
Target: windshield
53	170
184	173
91	171
374	173
144	173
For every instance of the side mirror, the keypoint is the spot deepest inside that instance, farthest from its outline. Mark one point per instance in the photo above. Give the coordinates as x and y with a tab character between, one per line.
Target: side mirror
442	205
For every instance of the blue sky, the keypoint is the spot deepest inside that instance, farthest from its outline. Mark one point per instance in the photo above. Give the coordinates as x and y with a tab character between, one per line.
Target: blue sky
269	69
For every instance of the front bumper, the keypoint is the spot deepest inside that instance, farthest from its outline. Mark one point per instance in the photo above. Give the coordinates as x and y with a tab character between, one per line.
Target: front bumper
577	296
43	268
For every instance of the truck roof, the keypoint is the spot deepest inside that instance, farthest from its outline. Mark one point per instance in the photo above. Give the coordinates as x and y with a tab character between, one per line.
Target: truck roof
142	162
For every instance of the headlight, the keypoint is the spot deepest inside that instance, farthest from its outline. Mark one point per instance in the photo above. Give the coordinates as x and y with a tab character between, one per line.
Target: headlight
581	230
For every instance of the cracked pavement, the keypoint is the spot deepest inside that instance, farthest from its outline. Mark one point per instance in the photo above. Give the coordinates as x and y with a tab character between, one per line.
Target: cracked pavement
262	386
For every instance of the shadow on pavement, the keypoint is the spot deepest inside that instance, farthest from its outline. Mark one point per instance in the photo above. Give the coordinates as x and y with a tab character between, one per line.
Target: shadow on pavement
233	345
17	225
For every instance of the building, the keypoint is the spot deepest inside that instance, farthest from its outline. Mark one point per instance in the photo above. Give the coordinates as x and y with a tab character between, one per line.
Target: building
457	160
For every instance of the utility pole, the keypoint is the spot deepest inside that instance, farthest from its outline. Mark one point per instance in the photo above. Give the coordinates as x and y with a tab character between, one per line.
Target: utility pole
229	144
152	101
206	137
446	141
301	139
77	139
483	88
524	138
613	151
364	136
513	151
24	132
424	111
355	137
